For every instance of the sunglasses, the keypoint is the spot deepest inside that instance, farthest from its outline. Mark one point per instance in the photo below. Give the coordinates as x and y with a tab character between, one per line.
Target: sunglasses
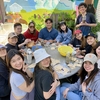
31	26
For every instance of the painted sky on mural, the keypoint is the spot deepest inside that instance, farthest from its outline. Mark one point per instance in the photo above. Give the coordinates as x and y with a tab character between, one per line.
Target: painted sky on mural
29	5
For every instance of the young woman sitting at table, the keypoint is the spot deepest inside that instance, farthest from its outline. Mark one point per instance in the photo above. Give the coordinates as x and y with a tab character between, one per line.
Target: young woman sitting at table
90	46
79	40
21	79
4	75
64	35
88	85
31	32
46	80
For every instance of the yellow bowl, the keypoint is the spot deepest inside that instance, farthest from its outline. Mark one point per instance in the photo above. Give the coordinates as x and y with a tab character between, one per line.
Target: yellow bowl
63	50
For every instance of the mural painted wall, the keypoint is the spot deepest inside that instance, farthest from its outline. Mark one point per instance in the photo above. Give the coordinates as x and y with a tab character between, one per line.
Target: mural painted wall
24	11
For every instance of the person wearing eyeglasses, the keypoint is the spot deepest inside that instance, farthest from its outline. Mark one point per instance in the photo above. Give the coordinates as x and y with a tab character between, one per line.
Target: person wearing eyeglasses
31	32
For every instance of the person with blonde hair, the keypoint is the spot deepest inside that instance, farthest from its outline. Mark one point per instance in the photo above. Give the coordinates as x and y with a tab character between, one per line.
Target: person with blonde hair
46	80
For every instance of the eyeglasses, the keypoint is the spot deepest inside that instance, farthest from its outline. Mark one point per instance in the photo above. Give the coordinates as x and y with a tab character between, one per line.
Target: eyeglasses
31	26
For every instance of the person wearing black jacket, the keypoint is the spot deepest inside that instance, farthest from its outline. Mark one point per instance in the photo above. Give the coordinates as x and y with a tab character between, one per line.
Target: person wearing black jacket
90	46
4	76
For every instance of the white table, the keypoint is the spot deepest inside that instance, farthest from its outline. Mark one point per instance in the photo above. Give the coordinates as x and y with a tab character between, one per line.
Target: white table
56	55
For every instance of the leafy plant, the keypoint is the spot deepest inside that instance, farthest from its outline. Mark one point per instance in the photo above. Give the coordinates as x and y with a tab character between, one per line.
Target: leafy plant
96	29
69	18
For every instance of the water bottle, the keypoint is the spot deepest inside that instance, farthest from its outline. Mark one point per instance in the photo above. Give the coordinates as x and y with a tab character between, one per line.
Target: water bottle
29	56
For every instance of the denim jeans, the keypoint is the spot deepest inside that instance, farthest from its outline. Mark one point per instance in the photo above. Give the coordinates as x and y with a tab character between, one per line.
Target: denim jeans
58	93
72	95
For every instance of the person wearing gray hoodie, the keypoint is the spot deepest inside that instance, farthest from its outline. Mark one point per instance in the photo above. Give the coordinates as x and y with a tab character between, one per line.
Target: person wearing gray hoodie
88	85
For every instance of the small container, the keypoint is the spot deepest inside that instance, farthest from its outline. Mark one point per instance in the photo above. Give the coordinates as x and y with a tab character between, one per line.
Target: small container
29	56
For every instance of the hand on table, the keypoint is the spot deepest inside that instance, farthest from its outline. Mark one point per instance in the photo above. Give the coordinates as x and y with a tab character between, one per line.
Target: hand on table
45	41
58	44
51	41
79	56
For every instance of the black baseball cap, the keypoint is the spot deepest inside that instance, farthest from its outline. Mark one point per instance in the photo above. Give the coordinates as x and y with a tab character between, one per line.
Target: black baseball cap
91	34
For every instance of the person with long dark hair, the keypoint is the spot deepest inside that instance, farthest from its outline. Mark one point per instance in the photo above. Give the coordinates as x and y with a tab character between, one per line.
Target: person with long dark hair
98	53
46	80
31	32
88	85
4	75
64	35
21	79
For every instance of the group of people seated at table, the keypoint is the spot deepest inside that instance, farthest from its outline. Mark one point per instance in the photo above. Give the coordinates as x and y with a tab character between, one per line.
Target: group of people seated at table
17	82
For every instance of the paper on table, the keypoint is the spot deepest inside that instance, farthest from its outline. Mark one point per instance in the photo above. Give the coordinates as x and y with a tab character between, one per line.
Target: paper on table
78	65
60	69
52	48
32	65
54	61
53	44
72	66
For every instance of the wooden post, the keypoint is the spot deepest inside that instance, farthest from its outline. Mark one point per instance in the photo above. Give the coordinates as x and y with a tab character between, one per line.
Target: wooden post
2	11
89	1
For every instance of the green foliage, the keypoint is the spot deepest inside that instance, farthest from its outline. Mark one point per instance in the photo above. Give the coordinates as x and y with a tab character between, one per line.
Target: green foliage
40	15
69	18
95	29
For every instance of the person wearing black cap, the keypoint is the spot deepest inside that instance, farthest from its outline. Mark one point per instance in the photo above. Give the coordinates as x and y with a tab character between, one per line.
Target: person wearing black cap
90	46
64	35
92	42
